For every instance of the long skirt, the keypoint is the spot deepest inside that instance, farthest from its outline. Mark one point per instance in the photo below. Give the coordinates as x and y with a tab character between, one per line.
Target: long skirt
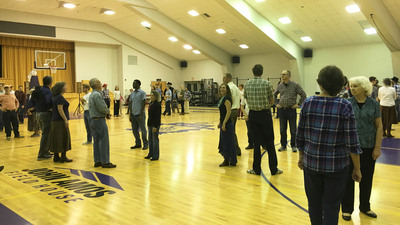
226	145
33	124
388	115
60	138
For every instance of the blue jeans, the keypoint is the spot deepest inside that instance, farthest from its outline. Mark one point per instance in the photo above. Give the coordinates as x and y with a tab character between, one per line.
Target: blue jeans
324	193
286	115
397	102
135	129
44	119
154	144
167	108
88	120
101	142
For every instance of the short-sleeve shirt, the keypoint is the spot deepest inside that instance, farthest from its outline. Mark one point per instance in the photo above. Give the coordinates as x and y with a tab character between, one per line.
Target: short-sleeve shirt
86	104
387	96
365	120
222	109
59	100
137	97
258	93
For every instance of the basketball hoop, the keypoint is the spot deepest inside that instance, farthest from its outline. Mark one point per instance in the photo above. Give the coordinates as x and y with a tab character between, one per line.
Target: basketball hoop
53	69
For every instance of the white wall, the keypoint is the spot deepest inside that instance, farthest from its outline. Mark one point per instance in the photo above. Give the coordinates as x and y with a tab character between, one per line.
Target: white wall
356	60
202	69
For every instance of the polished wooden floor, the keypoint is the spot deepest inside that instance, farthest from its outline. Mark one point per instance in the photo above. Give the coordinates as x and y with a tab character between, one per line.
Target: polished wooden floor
185	186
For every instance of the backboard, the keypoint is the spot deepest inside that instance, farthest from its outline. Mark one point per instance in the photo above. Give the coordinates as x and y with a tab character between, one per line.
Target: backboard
47	59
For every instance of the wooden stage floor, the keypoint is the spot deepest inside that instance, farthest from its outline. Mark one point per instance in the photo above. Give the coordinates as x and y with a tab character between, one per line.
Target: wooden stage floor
186	186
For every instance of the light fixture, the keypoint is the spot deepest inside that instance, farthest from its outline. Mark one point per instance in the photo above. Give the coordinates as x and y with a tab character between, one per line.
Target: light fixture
107	11
352	8
146	24
187	46
221	31
285	20
173	39
196	52
370	30
306	39
193	13
244	46
67	5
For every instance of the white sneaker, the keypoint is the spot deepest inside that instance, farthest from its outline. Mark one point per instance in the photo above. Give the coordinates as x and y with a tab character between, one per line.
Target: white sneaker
281	149
87	143
294	149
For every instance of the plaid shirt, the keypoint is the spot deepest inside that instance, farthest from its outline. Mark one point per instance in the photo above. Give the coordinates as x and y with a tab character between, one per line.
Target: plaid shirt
327	133
289	94
258	93
105	93
397	88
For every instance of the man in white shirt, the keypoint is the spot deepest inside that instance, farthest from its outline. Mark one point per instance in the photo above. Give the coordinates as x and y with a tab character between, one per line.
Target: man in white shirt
86	115
227	79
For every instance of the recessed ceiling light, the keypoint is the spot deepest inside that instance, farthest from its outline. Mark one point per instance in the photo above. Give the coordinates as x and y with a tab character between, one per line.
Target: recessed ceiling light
306	39
196	52
187	46
193	13
221	31
285	20
352	8
244	46
69	5
146	24
109	12
370	30
173	39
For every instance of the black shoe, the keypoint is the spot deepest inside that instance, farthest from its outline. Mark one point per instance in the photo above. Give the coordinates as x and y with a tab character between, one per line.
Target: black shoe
239	154
56	158
147	157
232	164
97	164
346	217
153	159
19	137
1	168
65	159
370	214
136	146
109	165
249	147
44	158
145	147
224	163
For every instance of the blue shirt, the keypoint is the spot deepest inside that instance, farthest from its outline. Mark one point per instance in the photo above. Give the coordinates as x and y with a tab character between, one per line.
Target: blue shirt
327	133
168	93
137	97
43	105
97	106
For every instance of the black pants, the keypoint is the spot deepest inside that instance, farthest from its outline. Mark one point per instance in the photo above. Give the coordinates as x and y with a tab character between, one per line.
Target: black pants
263	132
107	101
1	121
116	108
367	172
10	118
249	134
167	108
21	114
182	102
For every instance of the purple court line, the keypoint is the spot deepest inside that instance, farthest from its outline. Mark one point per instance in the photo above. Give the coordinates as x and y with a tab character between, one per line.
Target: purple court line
279	192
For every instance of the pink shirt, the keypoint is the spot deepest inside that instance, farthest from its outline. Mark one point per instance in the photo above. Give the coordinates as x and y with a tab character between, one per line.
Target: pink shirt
9	102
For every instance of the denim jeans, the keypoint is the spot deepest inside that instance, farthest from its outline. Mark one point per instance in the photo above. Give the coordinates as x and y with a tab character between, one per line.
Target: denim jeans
135	129
154	144
44	119
286	115
87	119
101	142
167	108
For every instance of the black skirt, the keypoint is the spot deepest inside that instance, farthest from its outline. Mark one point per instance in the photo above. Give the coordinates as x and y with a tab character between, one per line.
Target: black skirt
389	115
60	138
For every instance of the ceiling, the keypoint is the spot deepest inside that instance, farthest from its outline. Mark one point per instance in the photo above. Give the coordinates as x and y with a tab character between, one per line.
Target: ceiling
326	21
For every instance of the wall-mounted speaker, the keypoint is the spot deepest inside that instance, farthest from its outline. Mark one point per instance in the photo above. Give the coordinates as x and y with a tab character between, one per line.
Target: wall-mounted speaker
235	59
308	53
183	64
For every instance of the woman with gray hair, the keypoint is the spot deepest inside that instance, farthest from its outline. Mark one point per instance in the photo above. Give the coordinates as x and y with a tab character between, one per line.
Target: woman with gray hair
154	123
369	129
60	138
387	96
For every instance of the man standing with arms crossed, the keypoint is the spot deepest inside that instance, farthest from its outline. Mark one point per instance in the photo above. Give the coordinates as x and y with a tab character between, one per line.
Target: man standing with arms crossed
259	96
86	114
138	116
227	79
288	106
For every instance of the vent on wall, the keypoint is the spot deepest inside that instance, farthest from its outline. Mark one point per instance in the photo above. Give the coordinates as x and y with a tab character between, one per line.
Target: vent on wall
132	60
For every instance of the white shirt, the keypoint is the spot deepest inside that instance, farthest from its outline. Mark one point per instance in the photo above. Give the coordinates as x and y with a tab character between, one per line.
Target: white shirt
387	96
235	95
86	104
246	107
117	95
241	94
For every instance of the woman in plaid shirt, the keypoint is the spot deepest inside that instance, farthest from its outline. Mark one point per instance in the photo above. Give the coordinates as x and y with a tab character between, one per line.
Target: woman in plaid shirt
326	136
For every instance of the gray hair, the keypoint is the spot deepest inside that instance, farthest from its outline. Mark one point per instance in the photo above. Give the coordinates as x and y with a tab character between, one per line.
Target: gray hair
92	82
363	82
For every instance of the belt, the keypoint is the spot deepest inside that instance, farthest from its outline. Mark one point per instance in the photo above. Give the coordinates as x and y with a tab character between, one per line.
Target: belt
286	108
10	110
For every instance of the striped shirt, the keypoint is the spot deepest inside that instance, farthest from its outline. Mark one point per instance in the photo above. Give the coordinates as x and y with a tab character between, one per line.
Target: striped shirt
327	133
289	94
258	93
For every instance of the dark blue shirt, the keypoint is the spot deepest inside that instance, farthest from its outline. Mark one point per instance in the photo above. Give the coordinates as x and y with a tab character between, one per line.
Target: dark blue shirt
44	104
59	100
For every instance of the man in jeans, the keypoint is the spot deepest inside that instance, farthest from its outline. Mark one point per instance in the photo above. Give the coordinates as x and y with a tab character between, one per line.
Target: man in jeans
86	115
43	104
288	105
138	116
